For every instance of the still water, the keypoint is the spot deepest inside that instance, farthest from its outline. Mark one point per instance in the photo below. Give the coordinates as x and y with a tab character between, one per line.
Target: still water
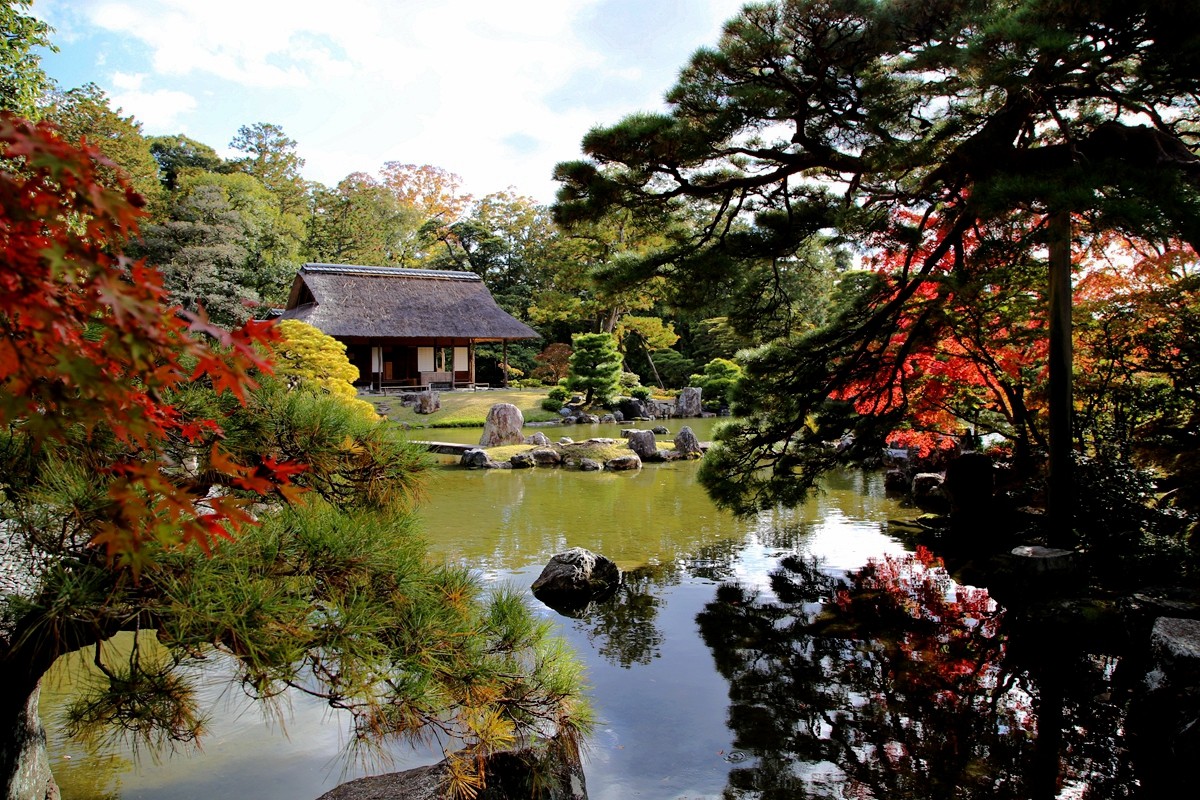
733	664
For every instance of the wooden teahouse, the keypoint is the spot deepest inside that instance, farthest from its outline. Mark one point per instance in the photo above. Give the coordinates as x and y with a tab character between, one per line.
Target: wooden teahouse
404	327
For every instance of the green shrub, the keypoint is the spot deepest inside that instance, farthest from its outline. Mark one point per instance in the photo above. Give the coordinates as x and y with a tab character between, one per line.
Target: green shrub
641	392
717	382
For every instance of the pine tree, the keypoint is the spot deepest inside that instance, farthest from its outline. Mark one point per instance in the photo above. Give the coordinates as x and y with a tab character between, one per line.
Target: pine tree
594	366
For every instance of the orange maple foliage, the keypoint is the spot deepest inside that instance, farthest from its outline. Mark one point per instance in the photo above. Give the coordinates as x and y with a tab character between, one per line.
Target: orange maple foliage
88	342
960	345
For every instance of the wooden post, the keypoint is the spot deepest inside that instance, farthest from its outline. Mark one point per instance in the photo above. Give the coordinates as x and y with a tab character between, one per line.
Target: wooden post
504	363
471	362
1060	502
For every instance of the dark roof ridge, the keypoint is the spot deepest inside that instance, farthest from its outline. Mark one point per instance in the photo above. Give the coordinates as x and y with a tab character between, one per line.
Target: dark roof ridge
357	269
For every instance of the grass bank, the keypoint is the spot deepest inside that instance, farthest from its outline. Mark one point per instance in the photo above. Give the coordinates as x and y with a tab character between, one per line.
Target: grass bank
465	409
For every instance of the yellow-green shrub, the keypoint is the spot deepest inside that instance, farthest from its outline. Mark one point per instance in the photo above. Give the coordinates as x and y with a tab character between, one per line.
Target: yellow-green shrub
307	358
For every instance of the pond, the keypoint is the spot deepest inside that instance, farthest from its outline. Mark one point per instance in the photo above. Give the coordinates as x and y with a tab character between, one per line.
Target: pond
739	660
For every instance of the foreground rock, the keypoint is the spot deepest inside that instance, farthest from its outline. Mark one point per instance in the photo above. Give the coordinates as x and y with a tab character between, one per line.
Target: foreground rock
503	426
575	579
1165	716
510	776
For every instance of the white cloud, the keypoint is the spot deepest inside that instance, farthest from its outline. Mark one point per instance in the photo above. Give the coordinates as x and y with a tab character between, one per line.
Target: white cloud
157	110
359	82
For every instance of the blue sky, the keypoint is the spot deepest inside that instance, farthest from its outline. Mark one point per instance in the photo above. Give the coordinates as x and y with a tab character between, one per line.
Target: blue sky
497	91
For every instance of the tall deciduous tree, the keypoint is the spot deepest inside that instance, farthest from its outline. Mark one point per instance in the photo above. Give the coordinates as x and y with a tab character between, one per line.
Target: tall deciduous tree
360	221
271	156
506	239
902	127
22	81
179	157
85	113
434	192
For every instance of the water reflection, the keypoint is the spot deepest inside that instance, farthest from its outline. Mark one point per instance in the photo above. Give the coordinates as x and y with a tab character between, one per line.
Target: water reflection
662	703
896	682
623	629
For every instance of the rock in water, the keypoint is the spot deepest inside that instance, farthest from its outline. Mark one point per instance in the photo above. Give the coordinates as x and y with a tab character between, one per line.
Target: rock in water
644	444
476	458
1165	713
687	444
927	493
576	578
628	462
503	426
688	403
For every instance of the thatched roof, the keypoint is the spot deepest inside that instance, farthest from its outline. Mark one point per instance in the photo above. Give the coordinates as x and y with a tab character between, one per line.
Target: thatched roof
348	301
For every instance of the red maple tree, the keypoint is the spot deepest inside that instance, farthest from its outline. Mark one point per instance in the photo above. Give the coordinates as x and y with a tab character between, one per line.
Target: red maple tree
88	344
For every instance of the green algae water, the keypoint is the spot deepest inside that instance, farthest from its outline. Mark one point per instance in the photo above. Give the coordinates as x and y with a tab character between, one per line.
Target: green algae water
706	674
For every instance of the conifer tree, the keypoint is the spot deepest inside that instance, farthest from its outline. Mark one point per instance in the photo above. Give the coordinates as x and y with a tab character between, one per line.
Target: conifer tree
594	366
909	129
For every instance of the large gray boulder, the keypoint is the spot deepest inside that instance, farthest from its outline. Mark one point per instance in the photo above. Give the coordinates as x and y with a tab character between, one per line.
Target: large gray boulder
644	444
428	402
688	403
687	444
502	426
574	579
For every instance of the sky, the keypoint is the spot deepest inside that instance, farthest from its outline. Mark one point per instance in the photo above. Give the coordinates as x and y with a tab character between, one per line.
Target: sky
496	91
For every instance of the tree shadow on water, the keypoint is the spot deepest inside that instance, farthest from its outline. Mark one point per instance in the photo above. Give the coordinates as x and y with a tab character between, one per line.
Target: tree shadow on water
896	682
623	628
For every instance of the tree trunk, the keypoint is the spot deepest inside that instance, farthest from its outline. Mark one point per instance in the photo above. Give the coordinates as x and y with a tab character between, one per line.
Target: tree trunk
24	766
1060	500
504	363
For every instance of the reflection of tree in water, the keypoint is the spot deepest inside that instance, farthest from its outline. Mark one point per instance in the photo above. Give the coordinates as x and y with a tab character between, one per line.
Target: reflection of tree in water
622	628
898	684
